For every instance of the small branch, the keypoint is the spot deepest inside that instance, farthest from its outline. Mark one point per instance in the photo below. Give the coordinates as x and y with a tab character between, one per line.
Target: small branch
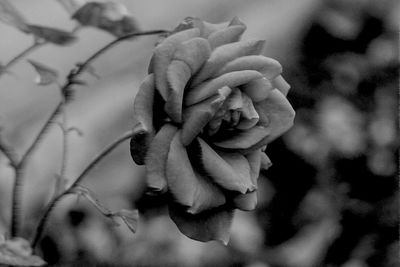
42	224
84	65
20	171
8	153
21	55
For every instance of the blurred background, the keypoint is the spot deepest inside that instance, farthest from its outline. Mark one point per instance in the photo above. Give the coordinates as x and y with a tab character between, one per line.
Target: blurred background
331	196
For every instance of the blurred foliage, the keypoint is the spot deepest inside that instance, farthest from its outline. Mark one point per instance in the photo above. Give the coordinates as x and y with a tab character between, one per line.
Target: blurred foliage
331	195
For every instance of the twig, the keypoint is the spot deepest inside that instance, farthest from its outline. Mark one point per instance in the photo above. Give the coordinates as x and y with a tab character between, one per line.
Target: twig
8	153
71	79
21	55
70	189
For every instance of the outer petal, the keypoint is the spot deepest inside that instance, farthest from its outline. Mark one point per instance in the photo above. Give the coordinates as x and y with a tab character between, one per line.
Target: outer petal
143	112
209	88
186	186
227	170
163	55
156	159
209	225
280	84
258	90
227	35
224	54
178	75
249	201
269	67
276	114
244	141
197	116
143	104
194	53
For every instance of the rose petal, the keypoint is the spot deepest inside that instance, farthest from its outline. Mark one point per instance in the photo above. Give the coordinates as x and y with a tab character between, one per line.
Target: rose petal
254	159
269	67
265	162
223	55
244	141
246	202
187	187
178	75
156	159
236	21
194	53
227	35
258	90
276	114
163	55
140	142
209	88
230	171
197	116
249	116
143	104
234	101
209	225
280	84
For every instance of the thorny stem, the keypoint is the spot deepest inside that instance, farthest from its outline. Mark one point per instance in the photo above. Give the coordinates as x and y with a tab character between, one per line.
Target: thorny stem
70	189
21	55
70	81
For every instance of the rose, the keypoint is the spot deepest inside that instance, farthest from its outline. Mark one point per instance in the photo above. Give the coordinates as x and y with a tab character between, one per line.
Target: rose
206	112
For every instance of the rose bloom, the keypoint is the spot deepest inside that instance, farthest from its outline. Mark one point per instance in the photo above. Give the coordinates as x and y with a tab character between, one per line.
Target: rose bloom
206	111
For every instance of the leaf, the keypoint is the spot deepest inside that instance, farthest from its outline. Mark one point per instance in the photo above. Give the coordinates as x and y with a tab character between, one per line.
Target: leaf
52	35
46	76
10	15
108	16
129	217
18	252
214	224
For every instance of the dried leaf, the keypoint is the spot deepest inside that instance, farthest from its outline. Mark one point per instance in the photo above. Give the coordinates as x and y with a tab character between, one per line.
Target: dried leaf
18	252
10	15
108	16
52	35
46	76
